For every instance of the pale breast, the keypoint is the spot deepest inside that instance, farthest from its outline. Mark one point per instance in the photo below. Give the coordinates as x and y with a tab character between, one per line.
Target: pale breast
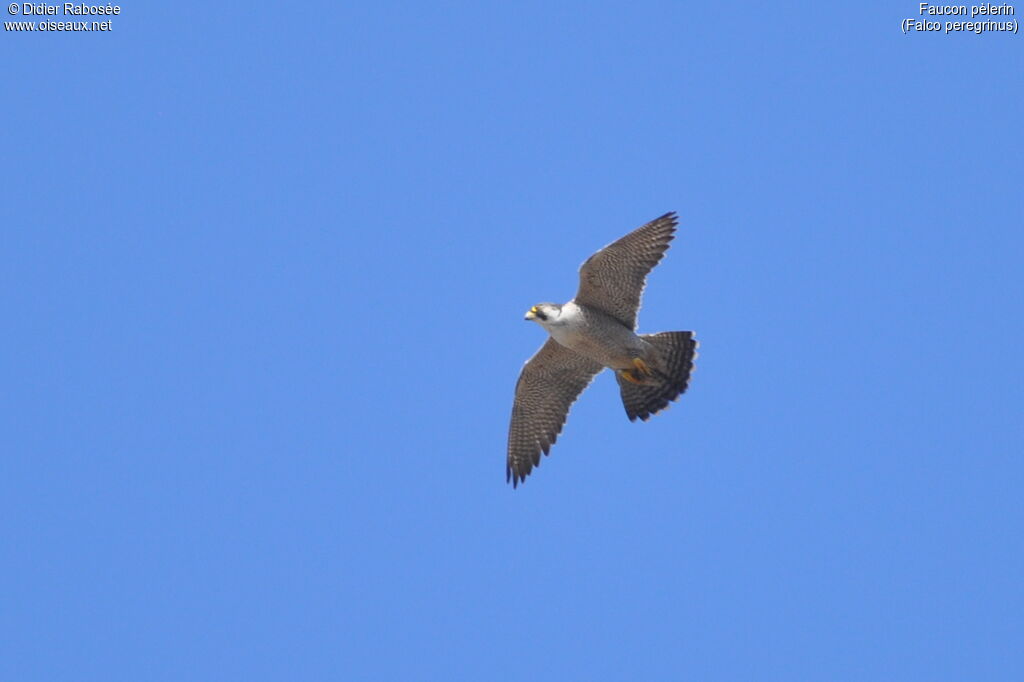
604	341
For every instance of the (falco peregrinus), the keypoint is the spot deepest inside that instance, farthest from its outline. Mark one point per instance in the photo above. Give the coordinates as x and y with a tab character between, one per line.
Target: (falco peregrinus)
593	331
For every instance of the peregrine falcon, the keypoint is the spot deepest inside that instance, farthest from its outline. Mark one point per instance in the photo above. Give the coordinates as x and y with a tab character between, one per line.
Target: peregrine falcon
593	331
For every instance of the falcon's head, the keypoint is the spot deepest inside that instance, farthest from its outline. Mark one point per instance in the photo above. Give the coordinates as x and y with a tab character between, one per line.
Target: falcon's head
544	313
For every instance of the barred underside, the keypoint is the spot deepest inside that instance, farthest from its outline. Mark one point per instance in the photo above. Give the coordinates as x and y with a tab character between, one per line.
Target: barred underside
678	351
548	386
613	279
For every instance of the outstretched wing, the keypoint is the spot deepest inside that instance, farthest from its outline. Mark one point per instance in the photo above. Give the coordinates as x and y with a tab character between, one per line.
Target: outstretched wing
613	279
548	386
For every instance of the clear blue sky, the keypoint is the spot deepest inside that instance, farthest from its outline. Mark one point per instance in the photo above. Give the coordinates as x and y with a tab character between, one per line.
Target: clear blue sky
264	273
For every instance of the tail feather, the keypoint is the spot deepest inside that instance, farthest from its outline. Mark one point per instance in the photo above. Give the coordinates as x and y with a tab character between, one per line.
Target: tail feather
678	350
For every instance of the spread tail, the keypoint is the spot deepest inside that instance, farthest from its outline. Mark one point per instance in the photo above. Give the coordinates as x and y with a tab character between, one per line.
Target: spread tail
677	351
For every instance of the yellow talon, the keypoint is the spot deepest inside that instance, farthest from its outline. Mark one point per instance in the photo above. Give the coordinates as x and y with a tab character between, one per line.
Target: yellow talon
627	374
638	374
641	368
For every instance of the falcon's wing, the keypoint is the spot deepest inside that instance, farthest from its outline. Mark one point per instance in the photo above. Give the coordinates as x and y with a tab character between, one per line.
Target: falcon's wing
548	386
613	278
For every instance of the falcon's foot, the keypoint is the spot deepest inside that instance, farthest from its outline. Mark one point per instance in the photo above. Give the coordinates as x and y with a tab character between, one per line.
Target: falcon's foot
639	374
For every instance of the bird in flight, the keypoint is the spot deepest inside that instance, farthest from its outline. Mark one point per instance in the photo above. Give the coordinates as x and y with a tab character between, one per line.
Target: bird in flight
597	329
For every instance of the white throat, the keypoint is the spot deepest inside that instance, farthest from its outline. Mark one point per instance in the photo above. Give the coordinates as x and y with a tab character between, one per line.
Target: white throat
564	324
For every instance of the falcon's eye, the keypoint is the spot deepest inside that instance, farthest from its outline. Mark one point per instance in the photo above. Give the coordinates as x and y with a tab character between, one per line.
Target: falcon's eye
541	315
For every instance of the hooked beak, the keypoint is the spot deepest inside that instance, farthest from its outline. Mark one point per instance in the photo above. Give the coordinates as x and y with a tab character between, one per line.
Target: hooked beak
531	313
